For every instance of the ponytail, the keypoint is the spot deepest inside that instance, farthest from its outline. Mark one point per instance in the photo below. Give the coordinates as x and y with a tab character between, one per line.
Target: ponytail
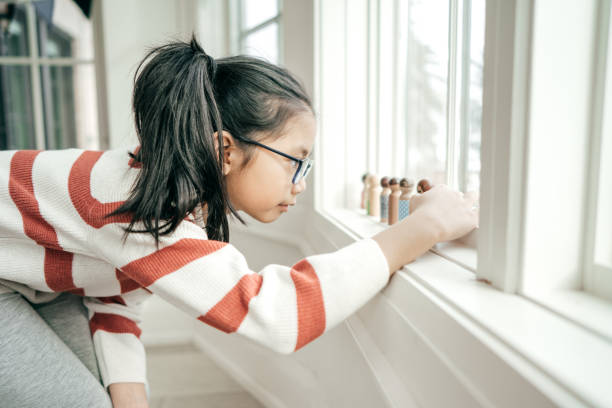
180	97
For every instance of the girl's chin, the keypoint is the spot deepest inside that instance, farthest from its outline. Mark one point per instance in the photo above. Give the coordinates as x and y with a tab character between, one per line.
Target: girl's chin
268	216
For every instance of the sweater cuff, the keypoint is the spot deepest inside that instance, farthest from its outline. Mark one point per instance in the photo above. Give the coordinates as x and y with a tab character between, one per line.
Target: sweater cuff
121	358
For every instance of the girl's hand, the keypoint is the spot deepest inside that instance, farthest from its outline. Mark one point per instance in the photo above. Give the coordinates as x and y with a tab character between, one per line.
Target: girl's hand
453	213
439	214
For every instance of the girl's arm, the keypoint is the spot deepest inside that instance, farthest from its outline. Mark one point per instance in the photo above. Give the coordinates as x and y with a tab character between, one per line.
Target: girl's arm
132	395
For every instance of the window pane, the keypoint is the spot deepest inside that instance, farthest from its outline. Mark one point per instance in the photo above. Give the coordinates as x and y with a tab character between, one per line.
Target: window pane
477	31
53	41
16	116
69	106
263	43
255	12
70	35
426	90
14	41
58	106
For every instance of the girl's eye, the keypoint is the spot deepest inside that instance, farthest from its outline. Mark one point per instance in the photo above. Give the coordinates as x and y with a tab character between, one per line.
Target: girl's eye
294	164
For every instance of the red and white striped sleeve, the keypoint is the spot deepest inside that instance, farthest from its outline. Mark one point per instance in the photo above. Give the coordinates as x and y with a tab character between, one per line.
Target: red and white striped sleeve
116	336
281	307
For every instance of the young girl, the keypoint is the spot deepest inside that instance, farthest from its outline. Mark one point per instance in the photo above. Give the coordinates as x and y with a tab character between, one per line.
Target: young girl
216	137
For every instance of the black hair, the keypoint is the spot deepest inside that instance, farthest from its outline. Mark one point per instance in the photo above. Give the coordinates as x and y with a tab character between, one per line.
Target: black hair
181	97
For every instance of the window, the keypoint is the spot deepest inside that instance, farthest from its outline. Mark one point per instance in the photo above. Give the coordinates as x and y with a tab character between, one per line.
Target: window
401	93
257	28
538	104
533	110
47	77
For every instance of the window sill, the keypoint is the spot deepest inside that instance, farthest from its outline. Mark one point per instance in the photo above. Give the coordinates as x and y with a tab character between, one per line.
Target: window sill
358	223
565	361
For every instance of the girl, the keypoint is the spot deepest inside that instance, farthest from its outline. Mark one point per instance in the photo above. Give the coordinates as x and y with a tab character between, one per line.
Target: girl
216	137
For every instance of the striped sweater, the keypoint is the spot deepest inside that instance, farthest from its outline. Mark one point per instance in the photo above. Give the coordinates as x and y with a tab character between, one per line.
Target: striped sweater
55	238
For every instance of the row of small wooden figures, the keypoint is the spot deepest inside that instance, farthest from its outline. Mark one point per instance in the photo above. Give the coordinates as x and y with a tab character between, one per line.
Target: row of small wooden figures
387	198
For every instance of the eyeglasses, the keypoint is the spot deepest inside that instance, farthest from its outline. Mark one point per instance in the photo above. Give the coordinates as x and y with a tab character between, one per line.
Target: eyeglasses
303	165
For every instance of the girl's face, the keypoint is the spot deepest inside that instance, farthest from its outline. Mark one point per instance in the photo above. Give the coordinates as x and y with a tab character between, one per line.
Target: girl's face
263	188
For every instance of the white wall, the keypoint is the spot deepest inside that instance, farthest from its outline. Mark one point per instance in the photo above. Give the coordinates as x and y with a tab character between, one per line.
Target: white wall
130	28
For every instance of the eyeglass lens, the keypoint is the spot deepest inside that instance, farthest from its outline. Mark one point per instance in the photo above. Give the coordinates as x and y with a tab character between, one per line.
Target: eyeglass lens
302	171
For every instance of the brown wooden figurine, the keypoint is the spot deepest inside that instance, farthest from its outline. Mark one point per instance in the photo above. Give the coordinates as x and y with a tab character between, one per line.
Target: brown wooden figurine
394	201
384	199
374	196
423	186
364	190
406	186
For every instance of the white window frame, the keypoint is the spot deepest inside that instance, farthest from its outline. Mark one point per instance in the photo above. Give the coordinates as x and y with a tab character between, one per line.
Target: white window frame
598	278
238	33
34	62
567	317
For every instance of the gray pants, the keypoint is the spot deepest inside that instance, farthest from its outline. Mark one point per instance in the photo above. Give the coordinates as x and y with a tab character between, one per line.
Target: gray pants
46	355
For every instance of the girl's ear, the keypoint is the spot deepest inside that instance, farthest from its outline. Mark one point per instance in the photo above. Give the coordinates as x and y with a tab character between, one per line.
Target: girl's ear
230	151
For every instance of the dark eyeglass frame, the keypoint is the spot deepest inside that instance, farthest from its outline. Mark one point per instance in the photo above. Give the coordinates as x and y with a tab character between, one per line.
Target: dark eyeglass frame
301	162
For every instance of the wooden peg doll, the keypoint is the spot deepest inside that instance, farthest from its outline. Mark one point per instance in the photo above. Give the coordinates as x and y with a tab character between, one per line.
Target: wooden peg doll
423	186
406	186
384	200
374	196
364	190
394	201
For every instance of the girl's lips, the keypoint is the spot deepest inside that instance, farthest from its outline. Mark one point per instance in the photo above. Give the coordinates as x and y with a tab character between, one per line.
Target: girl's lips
284	207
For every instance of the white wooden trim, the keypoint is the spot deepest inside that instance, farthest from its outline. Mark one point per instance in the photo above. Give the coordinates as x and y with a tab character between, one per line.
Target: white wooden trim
453	91
280	20
511	336
586	310
392	387
372	158
101	75
562	52
592	273
602	281
505	111
43	61
464	111
35	77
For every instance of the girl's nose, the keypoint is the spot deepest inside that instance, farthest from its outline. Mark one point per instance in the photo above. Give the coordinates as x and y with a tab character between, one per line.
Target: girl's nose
299	187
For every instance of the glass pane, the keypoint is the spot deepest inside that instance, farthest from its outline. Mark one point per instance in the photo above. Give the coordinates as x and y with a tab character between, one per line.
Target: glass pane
69	106
16	116
255	12
70	34
263	43
425	93
14	39
53	42
477	32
